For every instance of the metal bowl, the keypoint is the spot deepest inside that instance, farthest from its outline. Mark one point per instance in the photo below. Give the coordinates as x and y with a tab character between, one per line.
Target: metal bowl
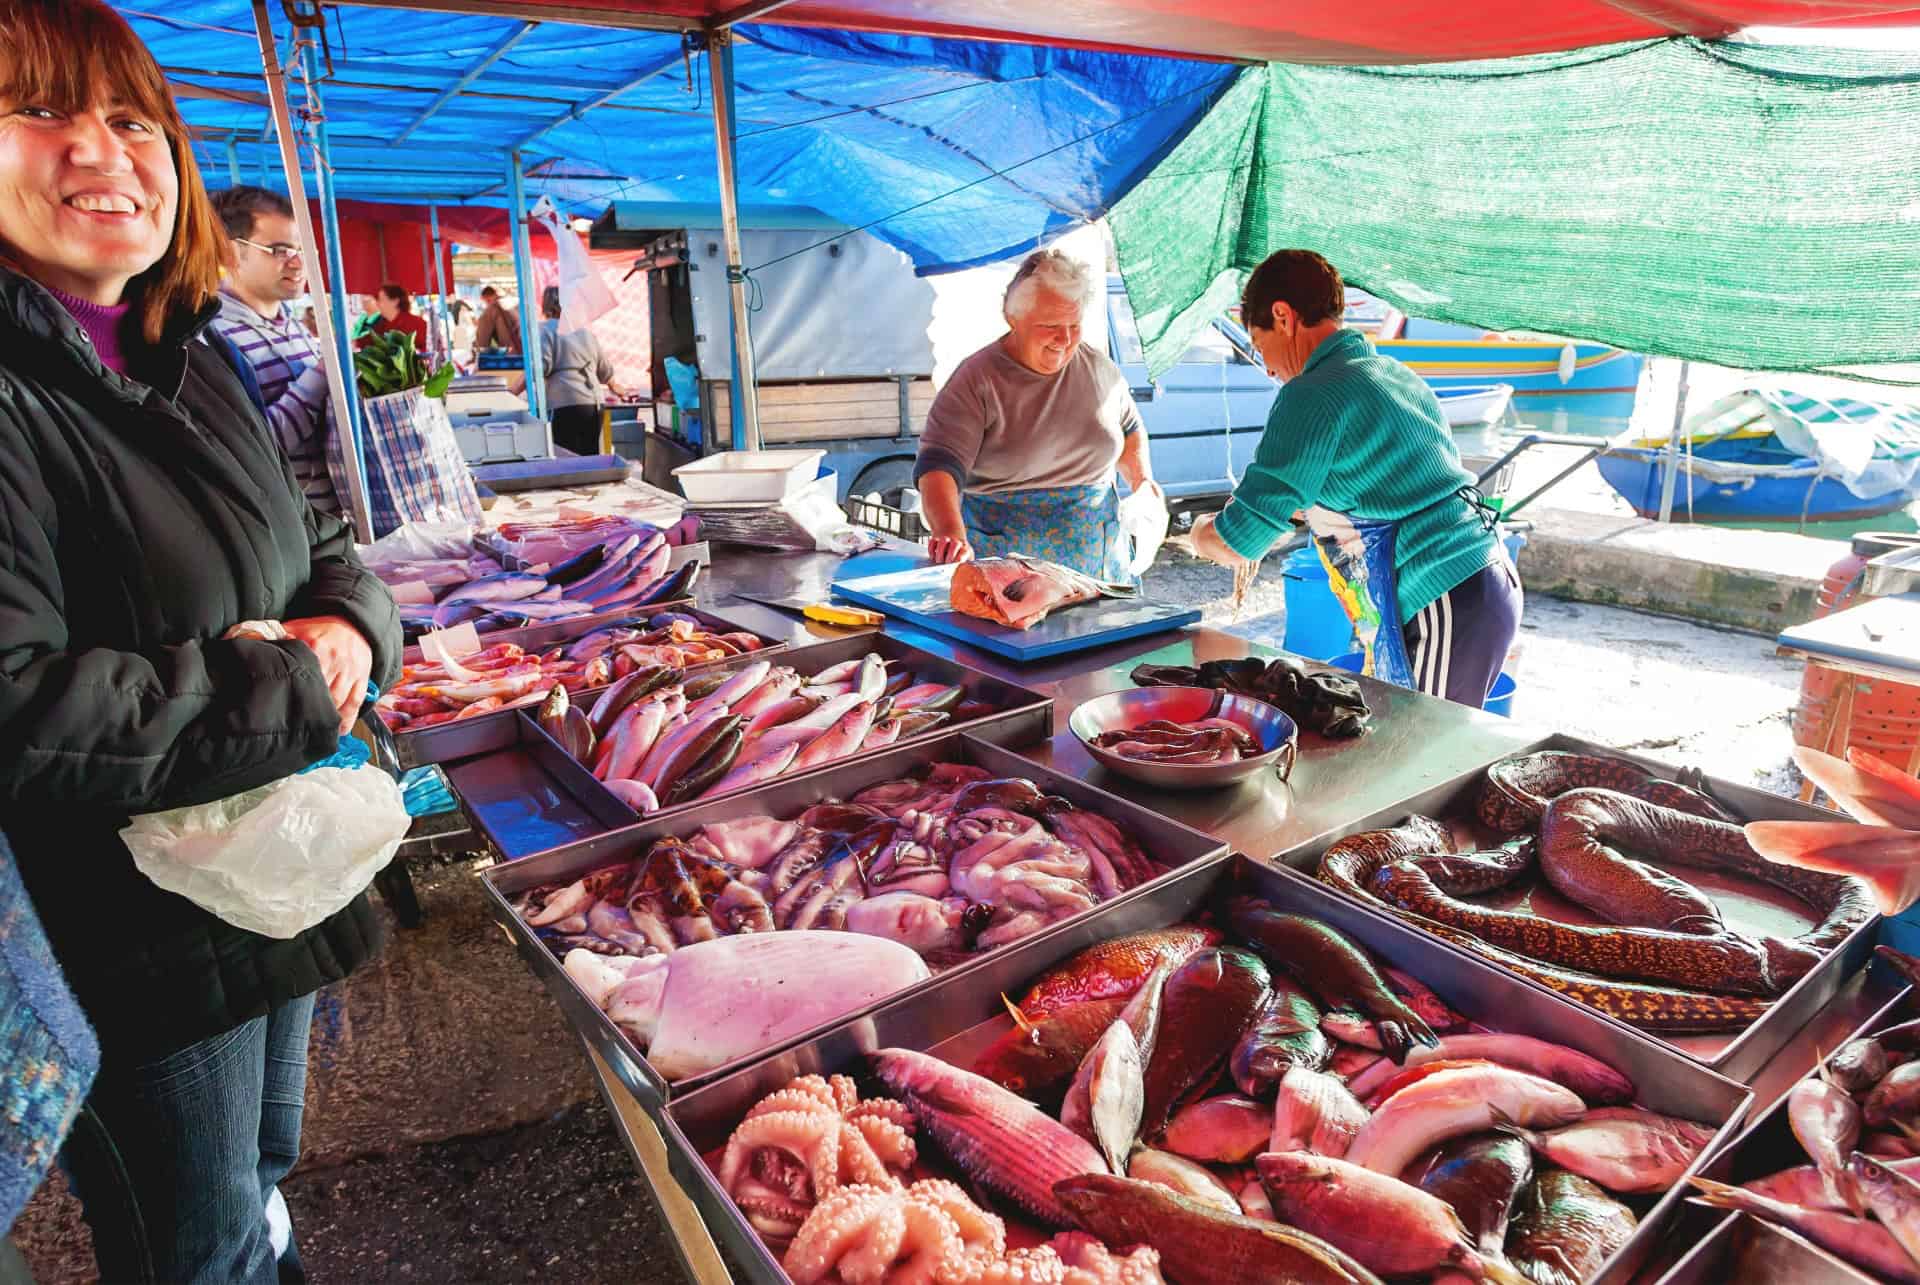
1117	710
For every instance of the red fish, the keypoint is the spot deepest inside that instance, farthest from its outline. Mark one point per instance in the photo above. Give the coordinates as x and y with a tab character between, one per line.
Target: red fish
1037	1059
1114	969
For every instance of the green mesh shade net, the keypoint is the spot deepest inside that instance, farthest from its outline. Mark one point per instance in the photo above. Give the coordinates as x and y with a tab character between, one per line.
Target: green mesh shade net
1746	205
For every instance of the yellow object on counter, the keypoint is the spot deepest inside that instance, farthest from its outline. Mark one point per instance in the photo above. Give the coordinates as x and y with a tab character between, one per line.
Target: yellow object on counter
845	617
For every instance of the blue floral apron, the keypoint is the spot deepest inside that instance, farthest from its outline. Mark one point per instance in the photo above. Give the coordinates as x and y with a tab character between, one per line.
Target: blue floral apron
1075	526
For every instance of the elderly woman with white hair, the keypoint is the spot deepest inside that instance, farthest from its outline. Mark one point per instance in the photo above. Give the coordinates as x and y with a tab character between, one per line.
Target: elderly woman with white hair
1021	445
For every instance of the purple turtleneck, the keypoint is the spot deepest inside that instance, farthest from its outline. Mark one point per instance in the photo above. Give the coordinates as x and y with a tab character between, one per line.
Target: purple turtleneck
102	324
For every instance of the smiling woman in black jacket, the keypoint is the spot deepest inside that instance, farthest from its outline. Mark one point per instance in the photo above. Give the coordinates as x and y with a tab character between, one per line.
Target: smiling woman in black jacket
144	511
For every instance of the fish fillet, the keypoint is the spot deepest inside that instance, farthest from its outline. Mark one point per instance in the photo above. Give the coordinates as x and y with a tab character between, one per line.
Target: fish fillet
1017	592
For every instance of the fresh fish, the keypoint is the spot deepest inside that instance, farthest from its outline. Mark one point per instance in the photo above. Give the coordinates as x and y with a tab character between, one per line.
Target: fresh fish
1197	1242
764	768
704	686
634	735
1896	1097
1826	1122
634	795
1481	1177
838	741
1893	1197
779	685
780	712
1350	1026
827	691
678	762
707	768
673	585
1404	1076
1466	1100
508	586
1349	1062
1862	1242
1285	1033
882	735
1209	1003
870	679
1109	1093
1332	967
1624	1149
1566	1229
932	696
1858	1065
1595	1081
1314	1112
1803	1184
668	745
1109	1090
1037	1059
1001	1141
617	698
1182	1176
840	673
1390	1227
1420	997
1229	1130
741	683
1113	968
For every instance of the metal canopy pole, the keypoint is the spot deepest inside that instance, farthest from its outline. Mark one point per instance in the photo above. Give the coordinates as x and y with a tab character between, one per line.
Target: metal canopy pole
440	281
343	401
1673	445
523	279
745	399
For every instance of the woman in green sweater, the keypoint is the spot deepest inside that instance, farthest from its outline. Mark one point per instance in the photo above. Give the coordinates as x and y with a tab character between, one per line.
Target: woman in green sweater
1355	437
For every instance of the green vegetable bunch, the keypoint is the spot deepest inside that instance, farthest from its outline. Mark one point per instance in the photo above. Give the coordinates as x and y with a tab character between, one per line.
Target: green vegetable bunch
389	363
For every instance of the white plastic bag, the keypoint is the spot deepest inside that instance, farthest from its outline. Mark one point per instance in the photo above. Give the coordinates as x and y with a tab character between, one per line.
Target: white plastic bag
1143	519
278	859
584	295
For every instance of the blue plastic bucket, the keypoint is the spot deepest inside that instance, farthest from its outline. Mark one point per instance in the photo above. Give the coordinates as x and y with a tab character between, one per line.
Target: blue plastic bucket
1317	626
1499	700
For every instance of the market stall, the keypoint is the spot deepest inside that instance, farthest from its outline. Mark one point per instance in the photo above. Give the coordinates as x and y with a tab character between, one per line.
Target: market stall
680	1079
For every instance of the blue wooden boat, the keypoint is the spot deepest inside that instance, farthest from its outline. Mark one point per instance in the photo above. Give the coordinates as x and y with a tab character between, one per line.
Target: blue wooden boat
1776	456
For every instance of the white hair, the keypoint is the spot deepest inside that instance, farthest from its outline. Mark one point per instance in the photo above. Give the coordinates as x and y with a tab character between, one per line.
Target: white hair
1053	270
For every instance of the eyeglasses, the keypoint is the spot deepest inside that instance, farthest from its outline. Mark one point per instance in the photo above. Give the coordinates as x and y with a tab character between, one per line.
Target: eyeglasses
281	253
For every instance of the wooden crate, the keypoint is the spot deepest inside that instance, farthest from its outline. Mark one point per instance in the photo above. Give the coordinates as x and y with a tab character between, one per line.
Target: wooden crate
828	411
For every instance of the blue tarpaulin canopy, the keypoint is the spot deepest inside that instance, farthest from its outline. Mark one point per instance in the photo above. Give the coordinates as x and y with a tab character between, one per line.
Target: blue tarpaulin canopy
957	152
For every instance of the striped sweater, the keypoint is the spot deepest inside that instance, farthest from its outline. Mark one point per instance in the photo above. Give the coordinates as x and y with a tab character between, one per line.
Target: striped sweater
293	384
1361	434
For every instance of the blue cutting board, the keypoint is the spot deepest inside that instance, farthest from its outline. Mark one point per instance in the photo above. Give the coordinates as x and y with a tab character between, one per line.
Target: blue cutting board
923	597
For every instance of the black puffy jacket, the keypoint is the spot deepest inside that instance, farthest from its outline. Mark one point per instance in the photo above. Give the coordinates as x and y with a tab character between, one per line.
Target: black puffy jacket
140	518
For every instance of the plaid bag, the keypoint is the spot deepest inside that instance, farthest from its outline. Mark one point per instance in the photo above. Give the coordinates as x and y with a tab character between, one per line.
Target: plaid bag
414	469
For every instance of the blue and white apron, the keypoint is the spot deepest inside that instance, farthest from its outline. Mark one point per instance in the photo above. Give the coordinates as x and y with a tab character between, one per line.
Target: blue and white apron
1075	526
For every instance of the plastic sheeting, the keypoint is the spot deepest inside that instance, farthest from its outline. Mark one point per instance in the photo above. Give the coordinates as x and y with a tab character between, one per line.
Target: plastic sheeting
1741	204
957	152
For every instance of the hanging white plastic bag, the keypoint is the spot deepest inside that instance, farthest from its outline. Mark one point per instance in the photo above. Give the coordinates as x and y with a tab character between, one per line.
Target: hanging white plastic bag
584	297
1143	520
281	857
278	859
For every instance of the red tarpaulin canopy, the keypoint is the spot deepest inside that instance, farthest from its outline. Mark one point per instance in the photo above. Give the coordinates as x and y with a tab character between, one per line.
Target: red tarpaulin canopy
1318	31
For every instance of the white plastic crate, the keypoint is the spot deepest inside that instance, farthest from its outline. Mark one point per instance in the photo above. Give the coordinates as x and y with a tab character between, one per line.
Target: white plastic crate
748	477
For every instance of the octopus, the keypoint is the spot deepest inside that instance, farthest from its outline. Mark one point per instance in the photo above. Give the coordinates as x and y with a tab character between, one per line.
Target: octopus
807	1141
1665	961
933	1232
699	897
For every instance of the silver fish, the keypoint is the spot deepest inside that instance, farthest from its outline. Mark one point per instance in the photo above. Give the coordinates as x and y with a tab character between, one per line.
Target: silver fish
1113	1097
1624	1149
1893	1197
1314	1112
1826	1121
1863	1243
1182	1176
1803	1184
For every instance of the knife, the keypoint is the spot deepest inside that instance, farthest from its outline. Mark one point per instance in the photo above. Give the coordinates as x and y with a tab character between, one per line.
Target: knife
824	612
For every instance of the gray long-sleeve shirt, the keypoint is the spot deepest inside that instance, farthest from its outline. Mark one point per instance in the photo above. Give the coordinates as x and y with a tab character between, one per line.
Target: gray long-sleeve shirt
998	426
573	364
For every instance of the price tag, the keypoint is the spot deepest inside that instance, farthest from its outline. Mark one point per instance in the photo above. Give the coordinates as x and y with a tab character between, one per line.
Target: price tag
416	593
442	645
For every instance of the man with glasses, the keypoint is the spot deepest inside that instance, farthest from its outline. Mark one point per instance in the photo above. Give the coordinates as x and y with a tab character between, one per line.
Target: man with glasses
264	271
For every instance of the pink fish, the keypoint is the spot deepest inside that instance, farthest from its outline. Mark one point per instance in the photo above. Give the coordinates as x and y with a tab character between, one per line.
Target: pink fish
1886	860
634	733
883	735
634	795
843	738
670	740
764	768
780	712
779	685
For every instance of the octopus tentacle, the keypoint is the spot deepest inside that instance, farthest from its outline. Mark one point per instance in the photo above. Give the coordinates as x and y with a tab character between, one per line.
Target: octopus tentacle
890	1144
844	1233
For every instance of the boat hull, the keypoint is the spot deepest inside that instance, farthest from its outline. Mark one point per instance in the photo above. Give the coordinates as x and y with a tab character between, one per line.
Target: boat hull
1593	379
1637	476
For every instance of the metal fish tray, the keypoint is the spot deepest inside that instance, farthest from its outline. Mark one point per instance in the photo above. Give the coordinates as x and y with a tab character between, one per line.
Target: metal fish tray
1758	1253
1767	1145
1739	1056
485	733
955	1016
502	811
1168	842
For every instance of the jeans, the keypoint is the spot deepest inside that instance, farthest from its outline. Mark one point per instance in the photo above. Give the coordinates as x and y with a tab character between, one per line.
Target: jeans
179	1183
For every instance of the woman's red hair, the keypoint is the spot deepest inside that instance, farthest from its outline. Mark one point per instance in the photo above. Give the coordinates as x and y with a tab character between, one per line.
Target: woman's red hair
64	54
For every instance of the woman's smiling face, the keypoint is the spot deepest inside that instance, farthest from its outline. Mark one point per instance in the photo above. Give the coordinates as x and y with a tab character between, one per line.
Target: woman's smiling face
87	198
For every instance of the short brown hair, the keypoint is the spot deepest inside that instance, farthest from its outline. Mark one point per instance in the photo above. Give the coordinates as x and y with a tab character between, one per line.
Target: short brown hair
58	53
398	293
240	208
550	302
1297	277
